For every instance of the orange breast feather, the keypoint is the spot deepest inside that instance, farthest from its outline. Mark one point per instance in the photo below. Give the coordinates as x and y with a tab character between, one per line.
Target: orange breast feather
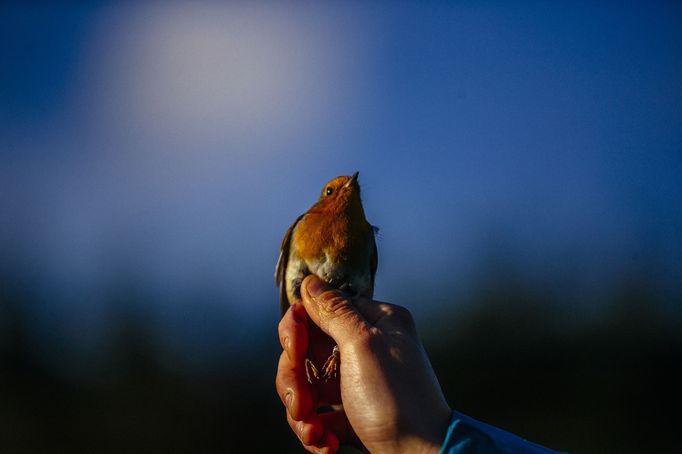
343	237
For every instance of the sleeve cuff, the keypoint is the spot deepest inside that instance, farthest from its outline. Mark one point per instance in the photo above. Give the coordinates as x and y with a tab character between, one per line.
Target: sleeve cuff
465	435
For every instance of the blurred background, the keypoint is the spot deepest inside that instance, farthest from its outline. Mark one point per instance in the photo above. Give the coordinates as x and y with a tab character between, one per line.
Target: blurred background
522	161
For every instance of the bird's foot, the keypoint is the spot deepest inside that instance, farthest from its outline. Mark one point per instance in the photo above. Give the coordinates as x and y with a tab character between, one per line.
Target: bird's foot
331	366
311	371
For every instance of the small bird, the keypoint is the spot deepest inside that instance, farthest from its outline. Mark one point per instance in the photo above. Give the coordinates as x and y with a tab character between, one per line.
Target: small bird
333	241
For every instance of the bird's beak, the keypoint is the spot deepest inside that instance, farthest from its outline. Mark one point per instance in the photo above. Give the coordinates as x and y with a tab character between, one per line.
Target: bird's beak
352	180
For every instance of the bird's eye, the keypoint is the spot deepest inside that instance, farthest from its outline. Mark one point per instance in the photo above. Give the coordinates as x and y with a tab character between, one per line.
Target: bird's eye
330	190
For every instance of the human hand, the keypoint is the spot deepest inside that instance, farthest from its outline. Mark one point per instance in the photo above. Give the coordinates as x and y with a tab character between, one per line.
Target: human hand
392	401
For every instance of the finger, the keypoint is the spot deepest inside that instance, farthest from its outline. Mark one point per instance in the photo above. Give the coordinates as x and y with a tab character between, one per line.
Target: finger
293	333
293	388
309	431
337	423
325	432
332	310
329	443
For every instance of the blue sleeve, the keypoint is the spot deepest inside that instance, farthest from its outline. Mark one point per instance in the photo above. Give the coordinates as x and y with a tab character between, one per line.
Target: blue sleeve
467	436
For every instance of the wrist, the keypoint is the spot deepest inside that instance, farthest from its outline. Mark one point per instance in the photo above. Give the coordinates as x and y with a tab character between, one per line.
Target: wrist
408	444
431	438
425	437
421	445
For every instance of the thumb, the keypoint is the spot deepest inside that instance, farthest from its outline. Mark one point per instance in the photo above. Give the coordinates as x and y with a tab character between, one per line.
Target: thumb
332	310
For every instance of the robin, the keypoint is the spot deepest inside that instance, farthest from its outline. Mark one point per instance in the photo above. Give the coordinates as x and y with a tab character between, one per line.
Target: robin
334	241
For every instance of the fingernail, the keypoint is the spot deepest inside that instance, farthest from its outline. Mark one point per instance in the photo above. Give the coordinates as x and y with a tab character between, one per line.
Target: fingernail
288	397
315	287
299	428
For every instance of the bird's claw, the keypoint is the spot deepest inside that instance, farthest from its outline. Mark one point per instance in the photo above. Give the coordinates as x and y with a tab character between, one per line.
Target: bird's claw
311	371
330	367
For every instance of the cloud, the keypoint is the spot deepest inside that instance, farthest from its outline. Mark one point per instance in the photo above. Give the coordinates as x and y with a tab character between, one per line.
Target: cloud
224	71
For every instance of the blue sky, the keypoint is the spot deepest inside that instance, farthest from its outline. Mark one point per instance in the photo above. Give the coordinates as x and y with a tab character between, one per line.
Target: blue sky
174	144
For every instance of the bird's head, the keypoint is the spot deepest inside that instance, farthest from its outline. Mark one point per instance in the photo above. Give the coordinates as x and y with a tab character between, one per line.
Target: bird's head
341	192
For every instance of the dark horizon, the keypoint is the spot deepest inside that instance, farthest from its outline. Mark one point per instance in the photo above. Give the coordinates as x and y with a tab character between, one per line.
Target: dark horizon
522	162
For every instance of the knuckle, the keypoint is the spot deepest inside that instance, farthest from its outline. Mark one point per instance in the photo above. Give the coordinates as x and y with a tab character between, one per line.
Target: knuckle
332	298
299	429
341	316
283	336
279	377
293	424
307	434
335	305
279	387
281	325
401	315
278	381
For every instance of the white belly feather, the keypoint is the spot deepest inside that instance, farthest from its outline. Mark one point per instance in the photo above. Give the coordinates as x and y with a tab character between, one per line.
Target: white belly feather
355	281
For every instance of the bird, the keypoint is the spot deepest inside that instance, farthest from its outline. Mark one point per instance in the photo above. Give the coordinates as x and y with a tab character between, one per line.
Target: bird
334	241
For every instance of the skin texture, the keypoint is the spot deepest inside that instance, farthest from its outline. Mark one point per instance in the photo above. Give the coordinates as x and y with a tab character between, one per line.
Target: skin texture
392	402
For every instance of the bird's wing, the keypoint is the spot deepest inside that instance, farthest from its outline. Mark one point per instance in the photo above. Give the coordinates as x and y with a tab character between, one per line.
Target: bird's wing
281	267
374	259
